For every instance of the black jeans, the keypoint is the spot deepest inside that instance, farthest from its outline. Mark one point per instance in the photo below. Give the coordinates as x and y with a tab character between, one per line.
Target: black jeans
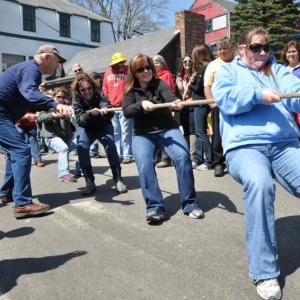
218	157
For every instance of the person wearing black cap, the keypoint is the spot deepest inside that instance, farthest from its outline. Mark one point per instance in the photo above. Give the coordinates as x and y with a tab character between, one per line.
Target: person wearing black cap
19	93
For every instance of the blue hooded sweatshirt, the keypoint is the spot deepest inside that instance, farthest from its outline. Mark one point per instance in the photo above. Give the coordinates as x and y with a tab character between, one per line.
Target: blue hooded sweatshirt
244	119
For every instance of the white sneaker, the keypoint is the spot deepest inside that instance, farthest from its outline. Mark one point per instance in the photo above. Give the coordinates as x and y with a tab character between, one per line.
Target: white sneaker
196	213
269	289
202	167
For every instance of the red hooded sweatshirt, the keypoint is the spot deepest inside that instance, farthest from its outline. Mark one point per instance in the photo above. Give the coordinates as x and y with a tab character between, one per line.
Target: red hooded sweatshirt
166	75
113	86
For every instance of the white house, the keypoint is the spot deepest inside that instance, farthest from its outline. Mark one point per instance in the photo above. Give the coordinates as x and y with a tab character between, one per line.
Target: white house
27	24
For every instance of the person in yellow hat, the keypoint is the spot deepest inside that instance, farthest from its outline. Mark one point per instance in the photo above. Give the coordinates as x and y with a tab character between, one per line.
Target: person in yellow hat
113	86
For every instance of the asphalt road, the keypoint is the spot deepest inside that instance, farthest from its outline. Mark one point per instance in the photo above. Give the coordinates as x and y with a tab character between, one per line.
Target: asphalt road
100	247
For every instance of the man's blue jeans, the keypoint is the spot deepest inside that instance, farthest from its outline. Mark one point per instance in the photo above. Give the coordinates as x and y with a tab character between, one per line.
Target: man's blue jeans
63	148
85	137
122	135
30	136
254	166
18	163
174	144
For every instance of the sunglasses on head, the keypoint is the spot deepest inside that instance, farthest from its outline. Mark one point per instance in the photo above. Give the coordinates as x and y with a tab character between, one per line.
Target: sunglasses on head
187	61
142	69
256	47
88	89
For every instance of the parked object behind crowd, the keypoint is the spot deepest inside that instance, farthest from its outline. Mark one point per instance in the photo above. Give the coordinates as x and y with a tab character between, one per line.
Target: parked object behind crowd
201	57
225	55
58	132
290	56
18	94
162	160
113	88
260	141
94	123
153	129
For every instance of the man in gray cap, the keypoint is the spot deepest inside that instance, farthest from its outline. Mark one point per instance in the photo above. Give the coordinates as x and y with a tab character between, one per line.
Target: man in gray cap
19	93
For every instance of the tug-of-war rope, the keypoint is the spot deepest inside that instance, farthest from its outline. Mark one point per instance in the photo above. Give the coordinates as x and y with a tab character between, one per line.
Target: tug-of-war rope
201	102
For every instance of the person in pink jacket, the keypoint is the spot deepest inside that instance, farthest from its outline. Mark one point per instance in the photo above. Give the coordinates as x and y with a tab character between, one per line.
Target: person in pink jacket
113	84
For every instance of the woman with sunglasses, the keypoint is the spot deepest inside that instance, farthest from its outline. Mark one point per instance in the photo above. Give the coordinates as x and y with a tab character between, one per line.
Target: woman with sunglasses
58	132
153	129
182	83
260	140
94	123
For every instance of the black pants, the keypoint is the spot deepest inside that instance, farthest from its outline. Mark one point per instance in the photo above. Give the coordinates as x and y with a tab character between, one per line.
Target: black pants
218	157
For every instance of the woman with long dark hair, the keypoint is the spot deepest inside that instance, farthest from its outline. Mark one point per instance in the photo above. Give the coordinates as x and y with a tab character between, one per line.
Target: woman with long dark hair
94	123
154	129
201	57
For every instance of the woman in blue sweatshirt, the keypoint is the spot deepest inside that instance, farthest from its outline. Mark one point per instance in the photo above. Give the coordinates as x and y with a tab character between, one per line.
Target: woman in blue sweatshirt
260	138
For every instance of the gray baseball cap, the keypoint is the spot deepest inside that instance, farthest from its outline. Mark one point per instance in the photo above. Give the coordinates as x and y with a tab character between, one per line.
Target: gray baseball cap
51	49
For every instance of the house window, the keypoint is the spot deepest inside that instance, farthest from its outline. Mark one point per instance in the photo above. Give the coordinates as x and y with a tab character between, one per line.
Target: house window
95	31
208	25
64	25
29	18
10	59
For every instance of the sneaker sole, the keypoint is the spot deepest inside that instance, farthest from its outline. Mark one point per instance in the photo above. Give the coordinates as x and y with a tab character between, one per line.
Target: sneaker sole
155	219
30	214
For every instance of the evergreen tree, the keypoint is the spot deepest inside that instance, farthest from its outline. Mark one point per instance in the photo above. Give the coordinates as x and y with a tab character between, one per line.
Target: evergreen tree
280	18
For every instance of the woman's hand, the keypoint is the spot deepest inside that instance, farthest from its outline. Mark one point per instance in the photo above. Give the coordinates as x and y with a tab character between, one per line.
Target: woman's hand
95	112
103	111
269	96
65	110
147	105
176	105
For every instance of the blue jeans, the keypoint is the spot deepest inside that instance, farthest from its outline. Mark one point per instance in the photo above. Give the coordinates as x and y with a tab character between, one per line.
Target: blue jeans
203	147
63	148
122	135
175	146
18	163
30	136
85	137
254	166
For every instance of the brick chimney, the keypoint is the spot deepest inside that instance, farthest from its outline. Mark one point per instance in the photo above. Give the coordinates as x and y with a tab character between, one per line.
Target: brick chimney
192	30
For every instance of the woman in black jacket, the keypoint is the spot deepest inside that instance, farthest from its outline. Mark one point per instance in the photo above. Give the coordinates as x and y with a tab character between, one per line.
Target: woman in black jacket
94	123
201	57
154	129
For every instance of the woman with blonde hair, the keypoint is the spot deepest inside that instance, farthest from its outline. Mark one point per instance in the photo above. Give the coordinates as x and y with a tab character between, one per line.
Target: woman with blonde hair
154	129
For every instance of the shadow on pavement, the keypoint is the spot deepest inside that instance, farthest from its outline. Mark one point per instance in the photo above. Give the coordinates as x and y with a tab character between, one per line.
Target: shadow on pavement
288	244
210	200
16	232
207	201
12	269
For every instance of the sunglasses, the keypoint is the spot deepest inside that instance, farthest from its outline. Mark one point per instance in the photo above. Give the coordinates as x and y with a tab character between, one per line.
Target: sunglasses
142	69
78	70
255	48
187	61
88	89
